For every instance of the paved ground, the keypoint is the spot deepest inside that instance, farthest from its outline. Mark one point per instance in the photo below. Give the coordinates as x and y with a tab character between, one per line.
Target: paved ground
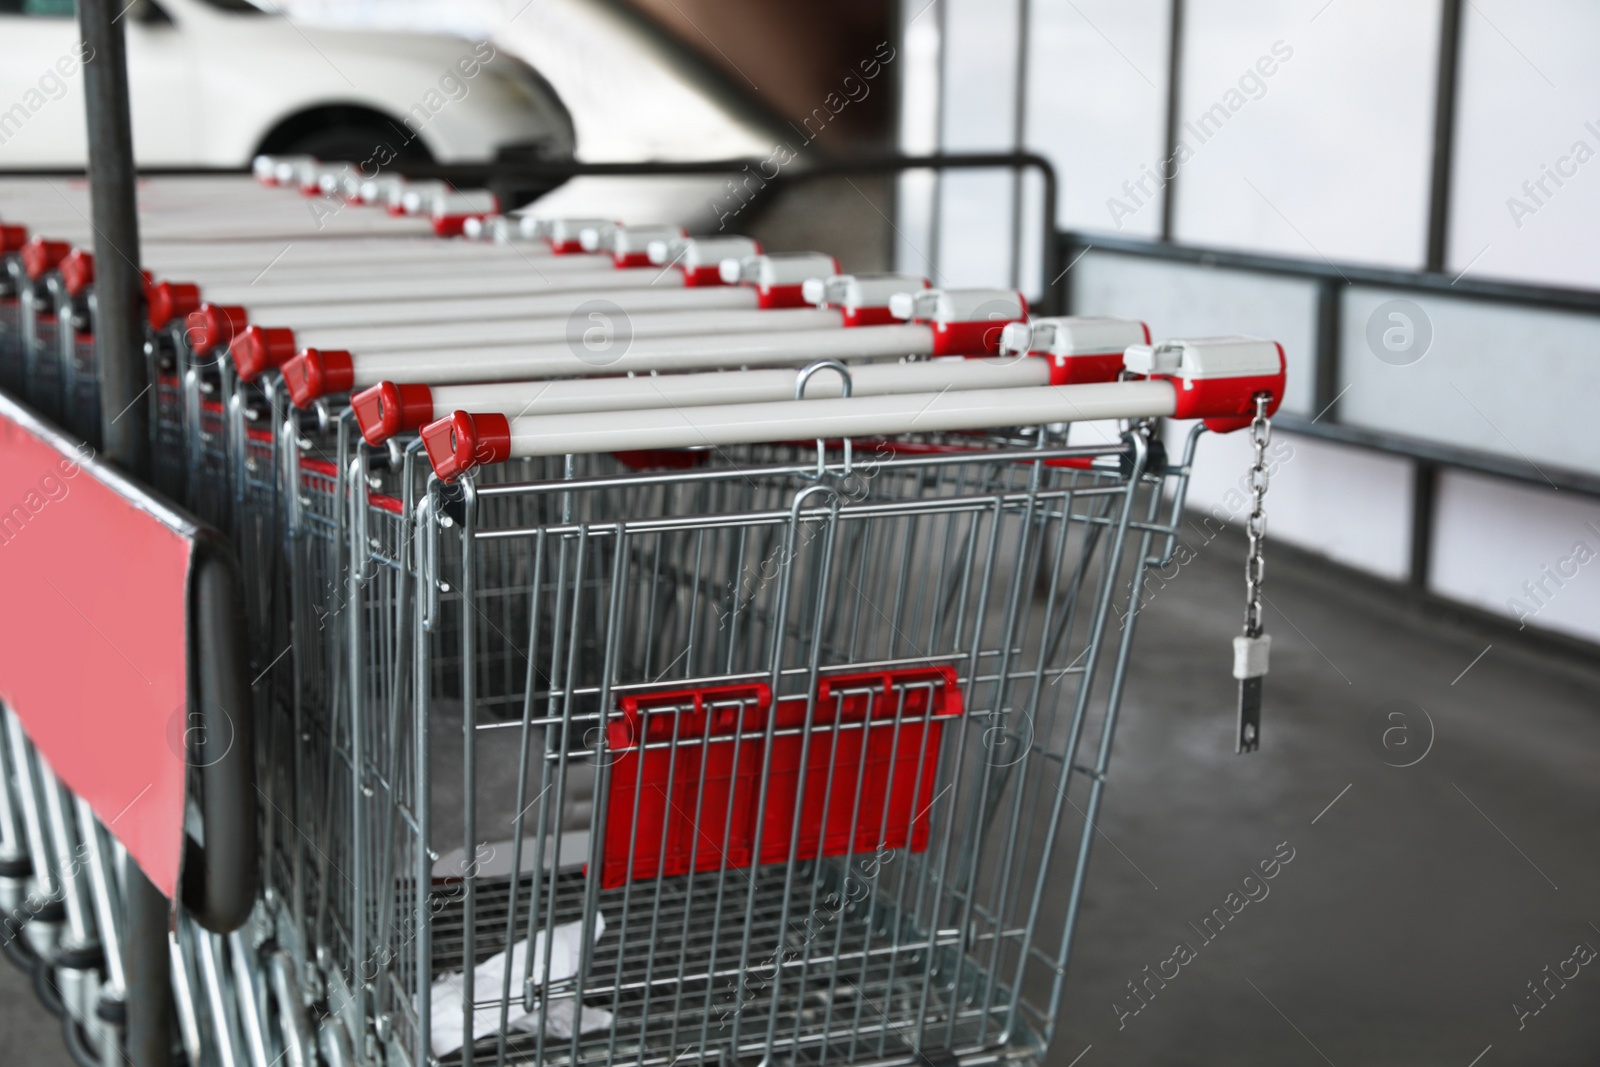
1421	900
29	1036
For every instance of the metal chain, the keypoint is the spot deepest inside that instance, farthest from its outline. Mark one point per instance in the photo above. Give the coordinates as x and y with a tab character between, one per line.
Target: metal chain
1256	528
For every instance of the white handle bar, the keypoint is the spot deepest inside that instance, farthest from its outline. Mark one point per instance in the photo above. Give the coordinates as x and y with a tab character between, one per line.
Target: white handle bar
390	408
457	443
524	282
557	327
514	305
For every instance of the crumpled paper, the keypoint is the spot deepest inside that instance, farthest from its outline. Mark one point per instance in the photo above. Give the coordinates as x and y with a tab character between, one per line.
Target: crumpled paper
566	946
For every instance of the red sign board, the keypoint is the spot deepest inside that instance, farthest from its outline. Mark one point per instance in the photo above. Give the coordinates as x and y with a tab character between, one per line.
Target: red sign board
93	634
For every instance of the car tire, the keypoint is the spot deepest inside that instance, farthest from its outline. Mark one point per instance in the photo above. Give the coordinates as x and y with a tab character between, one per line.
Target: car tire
359	142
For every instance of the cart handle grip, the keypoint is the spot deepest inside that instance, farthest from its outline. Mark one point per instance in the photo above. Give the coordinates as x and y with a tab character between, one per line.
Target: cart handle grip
220	876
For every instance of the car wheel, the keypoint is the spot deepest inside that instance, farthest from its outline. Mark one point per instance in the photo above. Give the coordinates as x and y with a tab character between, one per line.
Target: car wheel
356	143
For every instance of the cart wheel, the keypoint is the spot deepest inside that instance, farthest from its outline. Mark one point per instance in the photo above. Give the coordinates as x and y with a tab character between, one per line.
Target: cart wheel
17	951
79	1047
333	1041
44	987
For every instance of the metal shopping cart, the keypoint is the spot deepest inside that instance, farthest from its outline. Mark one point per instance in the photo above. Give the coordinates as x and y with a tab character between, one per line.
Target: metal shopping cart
767	756
640	751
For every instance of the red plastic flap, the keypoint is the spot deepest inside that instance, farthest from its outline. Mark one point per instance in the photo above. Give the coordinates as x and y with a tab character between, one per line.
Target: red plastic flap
682	786
687	768
94	652
879	733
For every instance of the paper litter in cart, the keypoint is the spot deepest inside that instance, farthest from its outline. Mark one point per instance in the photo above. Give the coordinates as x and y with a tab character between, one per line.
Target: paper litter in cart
563	949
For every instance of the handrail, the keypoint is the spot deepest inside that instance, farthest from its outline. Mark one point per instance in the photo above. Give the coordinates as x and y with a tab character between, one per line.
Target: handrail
220	876
1333	280
802	168
1554	297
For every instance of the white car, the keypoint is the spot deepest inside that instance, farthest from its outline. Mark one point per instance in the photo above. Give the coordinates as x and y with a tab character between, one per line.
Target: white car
216	82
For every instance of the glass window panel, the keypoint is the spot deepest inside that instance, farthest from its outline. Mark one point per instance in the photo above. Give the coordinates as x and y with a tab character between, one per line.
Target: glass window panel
1031	262
1178	300
1329	155
919	135
1514	550
979	99
1510	381
1526	193
980	62
975	228
913	237
1097	100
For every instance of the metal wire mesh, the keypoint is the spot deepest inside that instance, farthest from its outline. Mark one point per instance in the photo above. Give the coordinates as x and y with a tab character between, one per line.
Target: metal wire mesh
594	585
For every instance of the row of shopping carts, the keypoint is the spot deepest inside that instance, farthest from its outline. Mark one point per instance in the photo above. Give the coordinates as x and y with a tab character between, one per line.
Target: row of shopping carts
662	650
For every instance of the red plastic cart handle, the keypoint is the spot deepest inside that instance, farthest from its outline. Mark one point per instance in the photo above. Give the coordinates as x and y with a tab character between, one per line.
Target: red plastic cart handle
77	271
172	300
259	349
39	257
459	441
213	326
317	372
387	409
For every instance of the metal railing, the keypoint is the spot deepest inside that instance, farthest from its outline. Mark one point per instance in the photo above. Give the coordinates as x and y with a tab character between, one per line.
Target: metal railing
1332	281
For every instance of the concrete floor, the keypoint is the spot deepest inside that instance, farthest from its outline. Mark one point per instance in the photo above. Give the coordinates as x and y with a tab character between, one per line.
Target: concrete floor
29	1035
1420	900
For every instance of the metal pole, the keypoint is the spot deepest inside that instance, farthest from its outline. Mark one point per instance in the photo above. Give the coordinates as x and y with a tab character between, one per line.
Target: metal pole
146	959
1444	136
1019	140
125	433
1169	166
119	331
